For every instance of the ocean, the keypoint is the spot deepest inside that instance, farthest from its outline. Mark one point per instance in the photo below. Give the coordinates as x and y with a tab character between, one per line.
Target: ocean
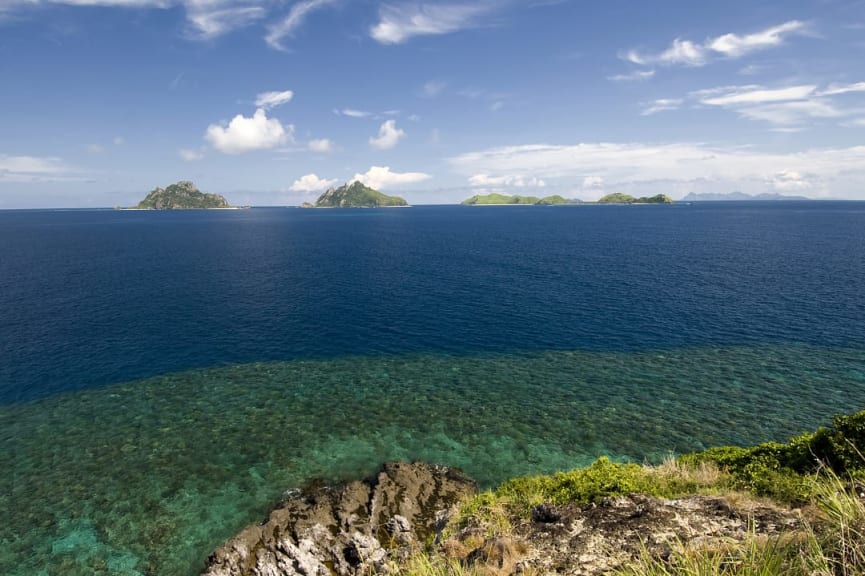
165	377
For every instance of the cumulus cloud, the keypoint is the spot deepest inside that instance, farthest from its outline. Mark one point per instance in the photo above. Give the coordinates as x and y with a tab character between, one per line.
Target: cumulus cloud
827	171
388	136
690	53
244	134
398	24
268	100
311	183
380	177
321	145
293	21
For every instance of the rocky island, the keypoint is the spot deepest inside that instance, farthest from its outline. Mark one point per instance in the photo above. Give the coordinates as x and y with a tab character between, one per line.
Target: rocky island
355	195
619	198
501	199
181	196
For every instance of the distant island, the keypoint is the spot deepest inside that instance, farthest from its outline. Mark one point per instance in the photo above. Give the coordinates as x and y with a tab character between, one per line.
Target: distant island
737	196
619	198
181	196
355	195
501	199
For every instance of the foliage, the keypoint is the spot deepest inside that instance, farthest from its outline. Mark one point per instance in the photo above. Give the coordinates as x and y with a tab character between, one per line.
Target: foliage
356	195
781	470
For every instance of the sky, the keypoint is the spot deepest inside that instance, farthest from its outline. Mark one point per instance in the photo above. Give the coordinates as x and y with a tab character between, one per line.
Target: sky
272	102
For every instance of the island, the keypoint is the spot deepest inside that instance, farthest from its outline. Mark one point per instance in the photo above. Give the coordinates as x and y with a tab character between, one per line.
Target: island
502	200
181	196
355	195
619	198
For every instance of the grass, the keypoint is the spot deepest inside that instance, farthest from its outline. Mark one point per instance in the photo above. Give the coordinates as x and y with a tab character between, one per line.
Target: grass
821	472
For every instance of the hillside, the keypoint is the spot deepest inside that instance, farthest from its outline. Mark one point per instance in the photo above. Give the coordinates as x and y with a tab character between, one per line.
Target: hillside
181	196
356	195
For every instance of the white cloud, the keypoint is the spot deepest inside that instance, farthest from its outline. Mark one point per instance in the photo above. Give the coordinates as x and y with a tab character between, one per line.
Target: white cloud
32	169
321	145
293	21
785	107
244	134
735	46
689	53
593	182
661	105
118	141
509	180
837	89
827	171
352	113
754	95
311	183
433	88
400	23
190	155
635	76
95	149
388	136
211	18
207	19
790	180
268	100
380	177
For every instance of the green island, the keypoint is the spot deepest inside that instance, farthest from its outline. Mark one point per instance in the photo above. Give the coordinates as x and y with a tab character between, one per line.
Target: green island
181	196
355	195
501	199
619	198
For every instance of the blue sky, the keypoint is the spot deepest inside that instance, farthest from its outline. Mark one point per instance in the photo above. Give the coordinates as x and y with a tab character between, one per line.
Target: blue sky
270	102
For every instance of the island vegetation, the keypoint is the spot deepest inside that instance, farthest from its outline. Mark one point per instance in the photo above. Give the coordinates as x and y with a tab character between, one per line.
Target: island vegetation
501	199
181	196
355	195
619	198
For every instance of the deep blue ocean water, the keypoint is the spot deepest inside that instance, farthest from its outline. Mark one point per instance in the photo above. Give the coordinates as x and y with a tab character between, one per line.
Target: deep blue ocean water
164	376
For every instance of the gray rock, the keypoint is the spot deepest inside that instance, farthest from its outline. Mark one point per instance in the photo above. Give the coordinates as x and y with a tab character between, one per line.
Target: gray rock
351	529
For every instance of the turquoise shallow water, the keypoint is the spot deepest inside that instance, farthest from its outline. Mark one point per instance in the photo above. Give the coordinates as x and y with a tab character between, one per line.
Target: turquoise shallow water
148	477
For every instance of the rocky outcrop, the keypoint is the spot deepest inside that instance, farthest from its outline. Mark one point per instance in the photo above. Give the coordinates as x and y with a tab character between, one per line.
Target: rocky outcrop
596	539
355	528
375	525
